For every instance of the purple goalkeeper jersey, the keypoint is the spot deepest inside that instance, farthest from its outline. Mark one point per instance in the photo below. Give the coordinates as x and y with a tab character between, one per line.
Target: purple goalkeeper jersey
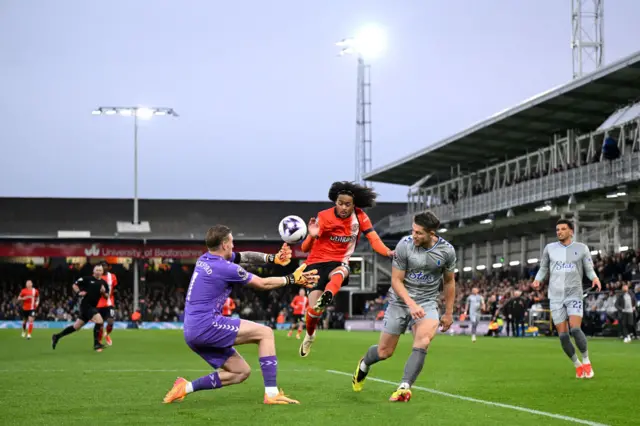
211	284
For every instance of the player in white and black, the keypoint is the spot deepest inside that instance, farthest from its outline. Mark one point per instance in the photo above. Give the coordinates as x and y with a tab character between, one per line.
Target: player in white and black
422	261
566	262
90	290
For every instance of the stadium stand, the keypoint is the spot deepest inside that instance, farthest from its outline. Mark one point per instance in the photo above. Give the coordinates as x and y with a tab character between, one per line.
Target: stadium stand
170	219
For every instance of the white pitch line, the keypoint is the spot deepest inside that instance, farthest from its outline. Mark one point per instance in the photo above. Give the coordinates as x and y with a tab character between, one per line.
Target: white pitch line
480	401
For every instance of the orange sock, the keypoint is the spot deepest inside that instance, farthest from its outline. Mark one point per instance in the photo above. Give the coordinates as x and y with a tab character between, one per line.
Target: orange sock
335	283
30	327
312	319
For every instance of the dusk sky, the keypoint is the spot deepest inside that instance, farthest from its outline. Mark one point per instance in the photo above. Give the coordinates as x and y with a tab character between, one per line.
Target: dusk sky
267	109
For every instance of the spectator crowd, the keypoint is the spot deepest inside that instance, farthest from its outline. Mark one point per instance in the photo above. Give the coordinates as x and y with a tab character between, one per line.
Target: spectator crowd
163	286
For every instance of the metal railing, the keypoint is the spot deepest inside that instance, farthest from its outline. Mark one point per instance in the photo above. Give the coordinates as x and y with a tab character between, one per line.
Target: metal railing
590	177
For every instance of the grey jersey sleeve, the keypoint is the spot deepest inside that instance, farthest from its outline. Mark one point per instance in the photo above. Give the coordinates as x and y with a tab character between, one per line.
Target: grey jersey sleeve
401	255
544	265
587	263
451	259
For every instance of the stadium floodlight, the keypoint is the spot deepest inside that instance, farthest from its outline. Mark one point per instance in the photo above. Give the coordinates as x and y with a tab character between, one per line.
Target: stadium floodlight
623	249
137	112
144	113
532	261
369	43
496	265
514	263
467	268
481	267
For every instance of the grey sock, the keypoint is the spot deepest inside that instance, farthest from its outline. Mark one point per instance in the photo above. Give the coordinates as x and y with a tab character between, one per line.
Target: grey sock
565	341
474	327
371	357
414	364
581	341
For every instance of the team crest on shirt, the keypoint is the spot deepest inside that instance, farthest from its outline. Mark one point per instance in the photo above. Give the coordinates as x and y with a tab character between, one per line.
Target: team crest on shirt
242	273
354	227
438	262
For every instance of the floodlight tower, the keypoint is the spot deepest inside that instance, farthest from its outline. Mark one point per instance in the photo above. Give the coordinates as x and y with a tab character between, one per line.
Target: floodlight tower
135	226
368	43
587	43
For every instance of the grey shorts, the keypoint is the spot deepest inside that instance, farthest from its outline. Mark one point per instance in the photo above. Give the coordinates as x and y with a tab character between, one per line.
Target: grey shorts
397	319
474	319
561	310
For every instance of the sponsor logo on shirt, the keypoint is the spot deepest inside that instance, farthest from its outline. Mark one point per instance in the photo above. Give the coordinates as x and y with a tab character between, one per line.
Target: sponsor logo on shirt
421	277
564	266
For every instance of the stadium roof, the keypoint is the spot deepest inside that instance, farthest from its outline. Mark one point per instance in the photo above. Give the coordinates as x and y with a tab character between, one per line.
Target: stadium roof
169	219
582	104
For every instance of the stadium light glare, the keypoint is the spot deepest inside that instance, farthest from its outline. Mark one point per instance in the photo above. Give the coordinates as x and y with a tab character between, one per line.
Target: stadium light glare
369	43
623	248
144	112
442	230
532	261
486	221
514	263
594	252
481	267
467	268
496	265
455	271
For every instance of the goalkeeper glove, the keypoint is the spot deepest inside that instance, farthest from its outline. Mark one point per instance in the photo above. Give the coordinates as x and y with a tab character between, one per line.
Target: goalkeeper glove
282	258
305	279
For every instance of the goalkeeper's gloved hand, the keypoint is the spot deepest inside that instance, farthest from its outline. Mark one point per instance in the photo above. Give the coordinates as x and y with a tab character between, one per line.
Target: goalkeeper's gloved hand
305	279
283	257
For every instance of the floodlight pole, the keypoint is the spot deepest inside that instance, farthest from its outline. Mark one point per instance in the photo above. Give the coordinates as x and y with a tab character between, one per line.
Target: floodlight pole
363	114
136	211
136	218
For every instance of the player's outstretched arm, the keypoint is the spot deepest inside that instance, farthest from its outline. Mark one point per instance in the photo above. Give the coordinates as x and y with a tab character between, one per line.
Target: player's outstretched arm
283	257
377	244
313	233
300	277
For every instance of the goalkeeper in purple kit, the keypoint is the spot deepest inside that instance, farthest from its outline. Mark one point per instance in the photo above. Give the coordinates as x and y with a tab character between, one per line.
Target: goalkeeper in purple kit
213	336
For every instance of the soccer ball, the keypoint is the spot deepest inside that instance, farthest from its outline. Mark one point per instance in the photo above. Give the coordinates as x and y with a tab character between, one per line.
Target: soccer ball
292	229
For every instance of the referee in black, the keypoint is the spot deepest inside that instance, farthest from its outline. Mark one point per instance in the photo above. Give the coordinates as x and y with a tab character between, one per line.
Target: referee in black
90	289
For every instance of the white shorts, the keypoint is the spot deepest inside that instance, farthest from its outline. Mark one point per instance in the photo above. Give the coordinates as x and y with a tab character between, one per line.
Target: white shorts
397	319
561	310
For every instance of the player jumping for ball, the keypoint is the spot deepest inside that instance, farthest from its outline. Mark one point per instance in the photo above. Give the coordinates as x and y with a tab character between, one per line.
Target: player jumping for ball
213	336
331	240
566	261
421	262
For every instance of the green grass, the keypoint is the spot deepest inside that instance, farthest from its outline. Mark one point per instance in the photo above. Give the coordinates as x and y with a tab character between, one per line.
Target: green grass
75	386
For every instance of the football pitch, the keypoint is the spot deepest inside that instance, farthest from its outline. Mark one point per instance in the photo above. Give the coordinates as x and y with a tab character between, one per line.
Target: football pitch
494	381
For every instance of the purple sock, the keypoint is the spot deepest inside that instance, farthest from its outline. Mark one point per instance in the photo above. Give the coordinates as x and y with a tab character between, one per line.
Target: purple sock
269	367
210	381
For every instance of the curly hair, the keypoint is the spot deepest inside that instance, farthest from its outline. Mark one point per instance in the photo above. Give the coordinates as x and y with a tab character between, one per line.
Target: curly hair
363	197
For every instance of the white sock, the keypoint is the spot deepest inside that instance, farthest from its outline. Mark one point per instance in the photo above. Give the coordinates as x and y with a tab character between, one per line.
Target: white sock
189	387
271	391
577	362
585	360
364	367
404	385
